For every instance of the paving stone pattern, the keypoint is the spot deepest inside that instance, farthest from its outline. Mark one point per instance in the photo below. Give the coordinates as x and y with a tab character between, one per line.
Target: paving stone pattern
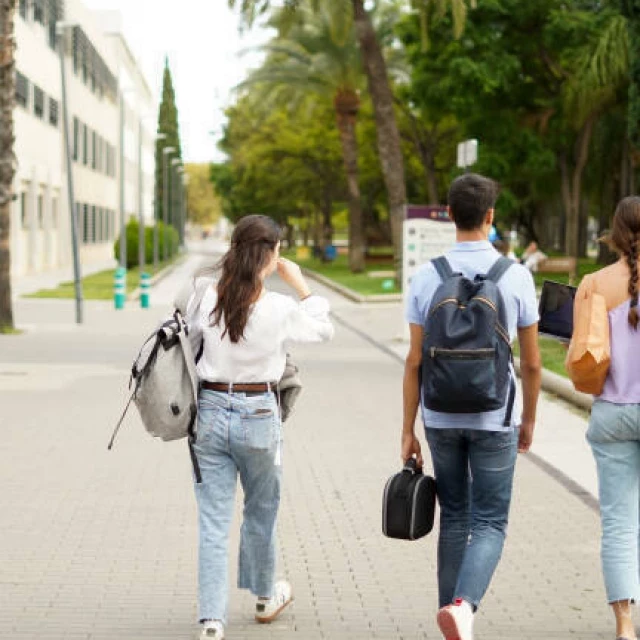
102	545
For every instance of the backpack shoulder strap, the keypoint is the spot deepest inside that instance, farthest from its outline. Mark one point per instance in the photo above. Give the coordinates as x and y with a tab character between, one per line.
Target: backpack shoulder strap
443	268
499	268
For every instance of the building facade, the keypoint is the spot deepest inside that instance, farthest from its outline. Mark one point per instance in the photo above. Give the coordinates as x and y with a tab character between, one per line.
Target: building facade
109	104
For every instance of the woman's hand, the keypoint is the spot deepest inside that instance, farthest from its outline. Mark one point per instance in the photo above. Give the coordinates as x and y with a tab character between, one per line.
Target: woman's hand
291	274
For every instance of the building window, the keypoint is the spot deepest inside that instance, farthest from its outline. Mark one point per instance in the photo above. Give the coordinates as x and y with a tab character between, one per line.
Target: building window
24	214
40	211
76	138
38	101
94	147
99	154
94	223
54	213
22	90
38	11
23	9
54	108
85	144
89	148
53	38
85	224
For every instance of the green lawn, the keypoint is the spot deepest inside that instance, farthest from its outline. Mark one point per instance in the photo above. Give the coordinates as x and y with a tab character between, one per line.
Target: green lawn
98	286
553	355
338	271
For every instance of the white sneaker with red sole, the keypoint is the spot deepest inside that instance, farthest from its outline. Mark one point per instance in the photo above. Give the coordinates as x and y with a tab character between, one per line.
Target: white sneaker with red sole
456	620
269	610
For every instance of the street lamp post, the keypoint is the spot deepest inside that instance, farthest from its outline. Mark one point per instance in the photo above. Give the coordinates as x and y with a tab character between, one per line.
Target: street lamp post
123	229
159	136
165	196
175	194
77	280
180	203
141	234
185	201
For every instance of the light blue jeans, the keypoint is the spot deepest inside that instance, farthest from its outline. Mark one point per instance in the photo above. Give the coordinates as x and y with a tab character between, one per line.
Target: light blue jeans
614	436
237	434
474	478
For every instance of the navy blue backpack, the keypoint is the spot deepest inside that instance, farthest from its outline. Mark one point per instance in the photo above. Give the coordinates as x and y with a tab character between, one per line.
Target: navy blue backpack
466	351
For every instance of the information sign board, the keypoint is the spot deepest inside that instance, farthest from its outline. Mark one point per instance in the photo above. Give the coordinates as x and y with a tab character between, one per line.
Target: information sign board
428	232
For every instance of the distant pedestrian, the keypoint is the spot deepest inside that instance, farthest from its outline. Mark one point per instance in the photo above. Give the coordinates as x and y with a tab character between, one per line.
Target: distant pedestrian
614	426
473	454
246	329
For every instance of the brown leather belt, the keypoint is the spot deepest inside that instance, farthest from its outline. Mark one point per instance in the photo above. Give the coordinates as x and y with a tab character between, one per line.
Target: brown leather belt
239	387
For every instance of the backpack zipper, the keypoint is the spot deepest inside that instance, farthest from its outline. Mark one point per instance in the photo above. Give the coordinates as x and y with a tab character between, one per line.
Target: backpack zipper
499	328
442	303
462	353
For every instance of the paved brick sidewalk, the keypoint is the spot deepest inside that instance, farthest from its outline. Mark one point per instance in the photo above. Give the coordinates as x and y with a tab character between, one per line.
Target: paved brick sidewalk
98	544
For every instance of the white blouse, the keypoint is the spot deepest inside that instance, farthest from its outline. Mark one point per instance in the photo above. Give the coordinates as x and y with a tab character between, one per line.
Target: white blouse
274	321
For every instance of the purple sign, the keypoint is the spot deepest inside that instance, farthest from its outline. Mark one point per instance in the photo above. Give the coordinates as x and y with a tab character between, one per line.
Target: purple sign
437	212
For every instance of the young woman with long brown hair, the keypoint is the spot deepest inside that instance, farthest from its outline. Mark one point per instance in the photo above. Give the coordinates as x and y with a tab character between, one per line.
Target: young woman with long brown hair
614	426
245	329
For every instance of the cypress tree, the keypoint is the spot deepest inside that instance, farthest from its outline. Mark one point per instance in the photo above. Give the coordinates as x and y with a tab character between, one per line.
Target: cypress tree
168	125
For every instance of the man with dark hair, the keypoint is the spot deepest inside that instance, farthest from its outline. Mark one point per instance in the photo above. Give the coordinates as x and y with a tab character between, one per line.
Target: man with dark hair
473	454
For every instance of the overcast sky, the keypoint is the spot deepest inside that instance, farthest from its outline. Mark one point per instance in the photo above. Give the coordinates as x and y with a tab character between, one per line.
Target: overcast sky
203	44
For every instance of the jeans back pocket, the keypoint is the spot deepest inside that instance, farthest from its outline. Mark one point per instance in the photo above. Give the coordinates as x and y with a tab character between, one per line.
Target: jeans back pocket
259	427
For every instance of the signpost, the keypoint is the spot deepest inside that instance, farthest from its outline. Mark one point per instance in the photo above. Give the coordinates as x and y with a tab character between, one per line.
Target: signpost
467	154
428	232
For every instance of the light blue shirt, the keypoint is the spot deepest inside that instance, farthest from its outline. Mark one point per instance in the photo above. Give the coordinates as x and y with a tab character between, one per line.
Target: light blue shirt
519	295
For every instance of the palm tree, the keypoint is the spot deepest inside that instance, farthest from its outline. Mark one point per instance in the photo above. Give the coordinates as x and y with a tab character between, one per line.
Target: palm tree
631	10
318	52
388	136
7	163
600	73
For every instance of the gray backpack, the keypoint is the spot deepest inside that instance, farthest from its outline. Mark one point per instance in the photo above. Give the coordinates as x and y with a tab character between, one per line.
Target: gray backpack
165	382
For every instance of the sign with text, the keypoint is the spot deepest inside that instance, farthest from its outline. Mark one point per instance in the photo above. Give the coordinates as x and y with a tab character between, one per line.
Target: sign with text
428	232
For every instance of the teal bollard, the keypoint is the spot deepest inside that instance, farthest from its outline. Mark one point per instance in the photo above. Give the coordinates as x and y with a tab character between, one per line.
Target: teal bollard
387	285
145	282
120	288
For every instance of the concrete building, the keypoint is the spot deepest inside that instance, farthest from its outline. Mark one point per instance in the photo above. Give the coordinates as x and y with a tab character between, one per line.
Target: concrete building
98	64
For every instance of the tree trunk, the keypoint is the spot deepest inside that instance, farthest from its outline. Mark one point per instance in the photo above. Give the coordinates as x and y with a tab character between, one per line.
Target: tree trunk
388	137
327	226
346	109
7	161
572	186
425	151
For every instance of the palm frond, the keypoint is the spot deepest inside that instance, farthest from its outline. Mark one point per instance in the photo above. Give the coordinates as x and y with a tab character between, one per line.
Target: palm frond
601	71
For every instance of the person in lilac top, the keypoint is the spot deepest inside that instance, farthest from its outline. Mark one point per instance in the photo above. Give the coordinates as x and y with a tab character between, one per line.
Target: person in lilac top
614	426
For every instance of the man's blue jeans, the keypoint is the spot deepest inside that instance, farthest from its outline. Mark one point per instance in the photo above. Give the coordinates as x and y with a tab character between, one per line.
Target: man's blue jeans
237	434
614	436
474	475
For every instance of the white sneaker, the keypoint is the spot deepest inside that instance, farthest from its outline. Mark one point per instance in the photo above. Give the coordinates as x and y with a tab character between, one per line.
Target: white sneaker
212	630
456	621
269	610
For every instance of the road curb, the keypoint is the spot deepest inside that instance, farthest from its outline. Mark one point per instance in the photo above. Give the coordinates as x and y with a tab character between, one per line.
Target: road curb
350	293
562	387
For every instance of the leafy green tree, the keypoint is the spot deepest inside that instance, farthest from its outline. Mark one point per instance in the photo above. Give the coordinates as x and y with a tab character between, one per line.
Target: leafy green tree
631	10
203	204
167	127
318	53
281	163
375	66
531	82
